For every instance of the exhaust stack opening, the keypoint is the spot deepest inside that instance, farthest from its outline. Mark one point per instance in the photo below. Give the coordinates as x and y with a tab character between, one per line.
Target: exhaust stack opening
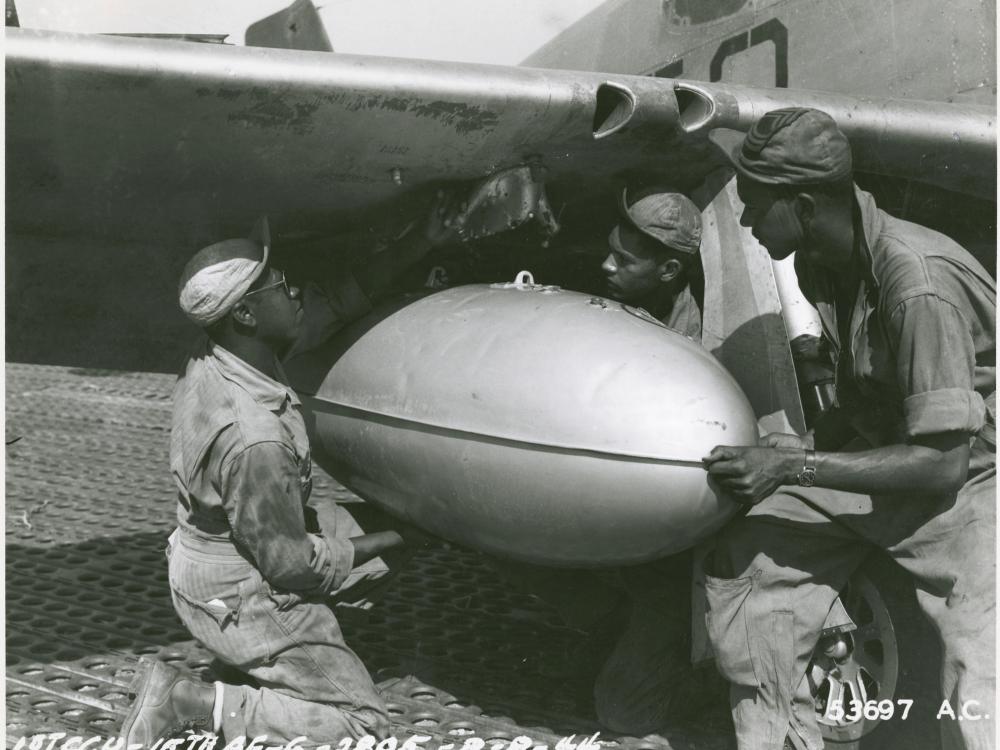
696	106
615	108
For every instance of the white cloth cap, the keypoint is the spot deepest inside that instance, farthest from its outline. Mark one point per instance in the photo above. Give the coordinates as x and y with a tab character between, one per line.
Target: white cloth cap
218	276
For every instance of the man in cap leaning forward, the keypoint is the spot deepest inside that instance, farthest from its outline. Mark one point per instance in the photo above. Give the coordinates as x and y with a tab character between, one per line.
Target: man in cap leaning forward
638	617
253	563
906	461
647	680
653	259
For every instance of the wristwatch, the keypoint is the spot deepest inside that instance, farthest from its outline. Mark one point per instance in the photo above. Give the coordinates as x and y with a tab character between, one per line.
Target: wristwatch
807	477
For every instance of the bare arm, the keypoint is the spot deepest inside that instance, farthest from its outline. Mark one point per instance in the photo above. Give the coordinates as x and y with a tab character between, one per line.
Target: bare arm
378	273
935	358
401	533
372	545
440	227
365	546
932	464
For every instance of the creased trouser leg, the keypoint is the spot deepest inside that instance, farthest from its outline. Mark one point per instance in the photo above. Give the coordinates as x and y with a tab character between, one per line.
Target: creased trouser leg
311	683
766	615
787	555
648	680
952	558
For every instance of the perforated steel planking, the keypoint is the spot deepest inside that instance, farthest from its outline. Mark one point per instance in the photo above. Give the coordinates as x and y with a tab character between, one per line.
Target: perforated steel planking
89	506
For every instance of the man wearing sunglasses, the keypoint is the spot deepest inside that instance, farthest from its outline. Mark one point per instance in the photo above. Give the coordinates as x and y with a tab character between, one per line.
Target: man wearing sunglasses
254	563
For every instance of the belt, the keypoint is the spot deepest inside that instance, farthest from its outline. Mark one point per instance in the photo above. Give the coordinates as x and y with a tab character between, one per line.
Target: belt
208	545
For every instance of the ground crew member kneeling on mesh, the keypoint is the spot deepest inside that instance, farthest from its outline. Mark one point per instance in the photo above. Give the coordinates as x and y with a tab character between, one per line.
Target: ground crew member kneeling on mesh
906	463
250	576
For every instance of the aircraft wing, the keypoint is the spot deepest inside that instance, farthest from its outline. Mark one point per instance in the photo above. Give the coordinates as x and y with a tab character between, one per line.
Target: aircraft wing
137	138
124	155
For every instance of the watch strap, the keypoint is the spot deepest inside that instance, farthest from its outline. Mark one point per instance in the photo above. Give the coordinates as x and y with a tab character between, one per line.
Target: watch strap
807	477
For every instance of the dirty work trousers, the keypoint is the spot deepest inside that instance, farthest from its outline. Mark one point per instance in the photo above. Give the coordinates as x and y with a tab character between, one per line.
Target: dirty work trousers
639	620
775	573
311	683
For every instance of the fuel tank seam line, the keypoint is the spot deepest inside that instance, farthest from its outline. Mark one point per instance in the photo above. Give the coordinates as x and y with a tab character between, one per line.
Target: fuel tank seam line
331	407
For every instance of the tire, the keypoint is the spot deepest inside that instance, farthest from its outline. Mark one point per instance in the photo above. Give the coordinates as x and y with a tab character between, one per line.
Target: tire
896	657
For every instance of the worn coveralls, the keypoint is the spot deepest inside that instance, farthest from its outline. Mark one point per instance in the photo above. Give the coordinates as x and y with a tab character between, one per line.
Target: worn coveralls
246	577
918	359
646	678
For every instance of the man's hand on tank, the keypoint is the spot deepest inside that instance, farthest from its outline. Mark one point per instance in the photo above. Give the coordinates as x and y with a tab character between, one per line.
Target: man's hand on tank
750	473
445	222
787	440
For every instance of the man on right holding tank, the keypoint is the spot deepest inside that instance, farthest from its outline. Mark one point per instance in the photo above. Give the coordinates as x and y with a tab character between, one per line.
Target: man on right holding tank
906	461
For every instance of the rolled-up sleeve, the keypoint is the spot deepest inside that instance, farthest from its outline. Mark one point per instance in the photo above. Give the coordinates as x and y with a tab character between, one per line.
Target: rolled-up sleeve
935	359
262	497
333	559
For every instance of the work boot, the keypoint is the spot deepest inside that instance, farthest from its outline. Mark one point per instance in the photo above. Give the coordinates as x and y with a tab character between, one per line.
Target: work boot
166	704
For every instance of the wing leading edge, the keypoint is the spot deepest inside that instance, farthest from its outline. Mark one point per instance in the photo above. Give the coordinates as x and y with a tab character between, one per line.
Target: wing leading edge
120	137
125	154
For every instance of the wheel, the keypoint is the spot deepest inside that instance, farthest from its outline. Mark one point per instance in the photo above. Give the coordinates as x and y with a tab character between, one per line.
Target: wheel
893	657
857	667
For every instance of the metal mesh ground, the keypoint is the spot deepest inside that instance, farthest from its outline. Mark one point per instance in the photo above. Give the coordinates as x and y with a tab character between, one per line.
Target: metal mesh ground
89	506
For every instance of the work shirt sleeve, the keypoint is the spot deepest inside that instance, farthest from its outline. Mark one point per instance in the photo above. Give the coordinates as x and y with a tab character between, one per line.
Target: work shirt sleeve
685	317
935	360
262	497
327	517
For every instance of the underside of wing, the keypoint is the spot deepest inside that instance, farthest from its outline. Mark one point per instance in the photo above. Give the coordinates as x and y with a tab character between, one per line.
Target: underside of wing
136	138
133	138
124	155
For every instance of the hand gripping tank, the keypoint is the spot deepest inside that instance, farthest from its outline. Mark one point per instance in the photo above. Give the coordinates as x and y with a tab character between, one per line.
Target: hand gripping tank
533	423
